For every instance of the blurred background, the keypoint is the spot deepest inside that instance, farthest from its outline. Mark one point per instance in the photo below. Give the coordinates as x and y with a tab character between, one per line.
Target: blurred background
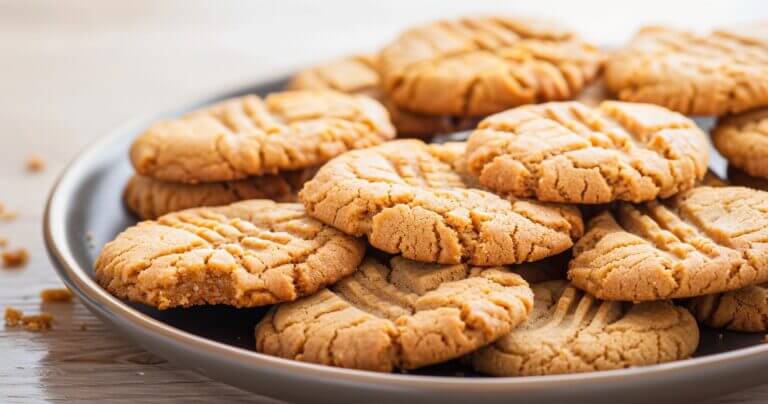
72	70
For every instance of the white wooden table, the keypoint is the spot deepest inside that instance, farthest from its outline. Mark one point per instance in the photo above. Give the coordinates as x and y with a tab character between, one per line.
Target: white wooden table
70	71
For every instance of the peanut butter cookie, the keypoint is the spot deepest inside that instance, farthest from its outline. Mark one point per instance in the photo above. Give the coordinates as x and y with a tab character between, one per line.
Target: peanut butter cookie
743	141
716	74
568	152
247	254
413	199
570	331
149	198
703	241
359	75
405	315
249	136
481	65
743	310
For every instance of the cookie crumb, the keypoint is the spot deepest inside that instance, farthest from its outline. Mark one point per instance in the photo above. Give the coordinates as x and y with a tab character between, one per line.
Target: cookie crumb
13	316
7	215
15	258
56	295
35	323
35	163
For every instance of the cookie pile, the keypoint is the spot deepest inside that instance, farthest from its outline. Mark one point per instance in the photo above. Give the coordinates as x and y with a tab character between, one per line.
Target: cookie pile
562	236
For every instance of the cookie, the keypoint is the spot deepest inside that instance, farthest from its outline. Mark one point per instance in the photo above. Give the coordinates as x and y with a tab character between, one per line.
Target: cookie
246	254
402	315
716	74
477	66
743	141
359	75
568	152
248	136
413	199
570	331
744	310
703	241
149	198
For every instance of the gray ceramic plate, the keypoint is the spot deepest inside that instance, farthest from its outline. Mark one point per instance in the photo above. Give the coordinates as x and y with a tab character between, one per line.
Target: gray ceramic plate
85	211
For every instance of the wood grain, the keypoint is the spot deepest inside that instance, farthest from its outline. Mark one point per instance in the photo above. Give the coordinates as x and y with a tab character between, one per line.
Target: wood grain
72	70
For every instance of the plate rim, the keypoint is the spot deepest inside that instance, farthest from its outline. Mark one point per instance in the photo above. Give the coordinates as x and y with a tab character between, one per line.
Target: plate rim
102	303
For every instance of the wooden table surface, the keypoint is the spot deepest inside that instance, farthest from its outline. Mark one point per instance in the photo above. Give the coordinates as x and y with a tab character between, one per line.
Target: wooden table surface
70	71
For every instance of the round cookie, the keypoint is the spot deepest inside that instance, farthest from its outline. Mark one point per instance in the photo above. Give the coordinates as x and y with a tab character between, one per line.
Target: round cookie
476	66
247	254
703	241
358	75
149	198
414	199
249	136
715	74
402	315
570	331
743	141
744	310
568	152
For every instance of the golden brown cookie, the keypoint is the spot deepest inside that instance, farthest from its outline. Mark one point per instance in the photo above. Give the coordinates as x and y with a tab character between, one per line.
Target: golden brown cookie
358	75
477	66
743	310
705	240
247	254
407	200
404	315
743	141
568	152
715	74
570	331
149	198
249	136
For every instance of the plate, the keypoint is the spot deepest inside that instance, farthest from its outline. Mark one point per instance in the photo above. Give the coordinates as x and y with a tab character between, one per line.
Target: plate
85	211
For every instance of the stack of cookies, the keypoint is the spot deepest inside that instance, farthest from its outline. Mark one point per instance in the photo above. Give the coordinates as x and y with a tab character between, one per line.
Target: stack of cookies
561	236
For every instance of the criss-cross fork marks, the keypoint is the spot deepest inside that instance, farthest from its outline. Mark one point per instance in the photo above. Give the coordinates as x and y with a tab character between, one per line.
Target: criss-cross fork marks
246	254
478	66
407	199
406	314
716	74
568	152
352	75
570	331
706	240
247	136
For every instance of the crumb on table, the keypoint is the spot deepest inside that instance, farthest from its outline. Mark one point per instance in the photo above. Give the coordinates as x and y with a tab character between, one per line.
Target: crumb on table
35	322
35	163
7	215
14	258
56	295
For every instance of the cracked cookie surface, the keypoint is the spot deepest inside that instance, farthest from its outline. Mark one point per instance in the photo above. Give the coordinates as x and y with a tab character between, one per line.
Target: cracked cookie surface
415	199
570	331
568	152
248	136
744	310
715	74
703	241
149	198
246	254
743	141
359	75
481	65
402	315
